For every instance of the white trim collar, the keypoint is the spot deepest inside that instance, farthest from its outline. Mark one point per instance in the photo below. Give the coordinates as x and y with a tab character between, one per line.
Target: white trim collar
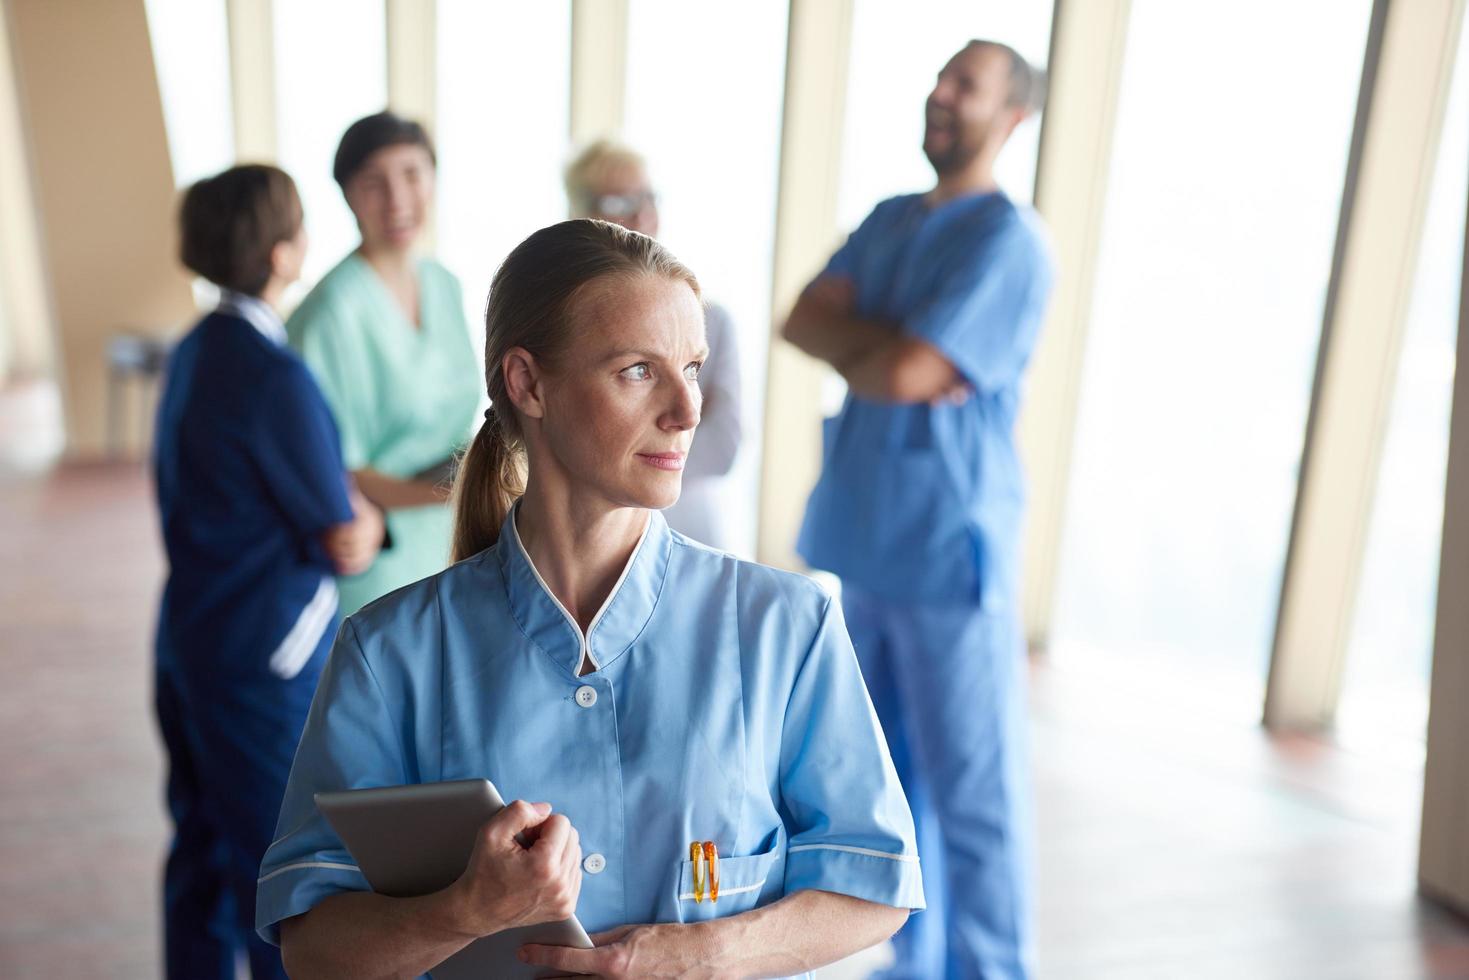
255	311
584	638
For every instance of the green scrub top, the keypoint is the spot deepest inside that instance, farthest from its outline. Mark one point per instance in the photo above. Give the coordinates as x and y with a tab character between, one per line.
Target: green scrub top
404	399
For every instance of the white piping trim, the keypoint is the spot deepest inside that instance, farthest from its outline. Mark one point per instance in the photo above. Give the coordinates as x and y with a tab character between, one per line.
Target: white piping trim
300	643
689	896
586	643
869	852
329	865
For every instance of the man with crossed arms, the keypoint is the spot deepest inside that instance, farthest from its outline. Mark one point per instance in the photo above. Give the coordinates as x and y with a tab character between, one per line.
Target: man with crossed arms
930	311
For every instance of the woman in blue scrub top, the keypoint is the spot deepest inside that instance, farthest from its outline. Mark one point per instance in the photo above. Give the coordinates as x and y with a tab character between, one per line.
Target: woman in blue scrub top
653	692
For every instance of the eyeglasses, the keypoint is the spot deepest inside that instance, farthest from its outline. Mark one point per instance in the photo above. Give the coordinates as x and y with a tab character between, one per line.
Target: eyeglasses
622	205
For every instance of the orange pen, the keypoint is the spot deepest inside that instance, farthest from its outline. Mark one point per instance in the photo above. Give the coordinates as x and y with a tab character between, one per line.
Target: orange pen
711	857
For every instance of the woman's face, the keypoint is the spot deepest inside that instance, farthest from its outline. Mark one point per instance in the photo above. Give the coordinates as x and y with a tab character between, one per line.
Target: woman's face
390	196
620	405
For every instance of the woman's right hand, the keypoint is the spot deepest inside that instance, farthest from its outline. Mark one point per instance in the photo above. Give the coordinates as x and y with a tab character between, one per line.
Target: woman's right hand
353	546
507	884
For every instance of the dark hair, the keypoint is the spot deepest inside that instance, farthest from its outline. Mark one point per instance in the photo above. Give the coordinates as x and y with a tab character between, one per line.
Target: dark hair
1027	82
371	133
532	305
229	223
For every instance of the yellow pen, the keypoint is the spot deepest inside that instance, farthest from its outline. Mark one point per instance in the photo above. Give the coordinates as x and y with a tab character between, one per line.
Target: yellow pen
696	854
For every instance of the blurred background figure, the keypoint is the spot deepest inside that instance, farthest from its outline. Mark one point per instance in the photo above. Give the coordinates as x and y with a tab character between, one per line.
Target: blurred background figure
930	311
257	514
385	334
610	181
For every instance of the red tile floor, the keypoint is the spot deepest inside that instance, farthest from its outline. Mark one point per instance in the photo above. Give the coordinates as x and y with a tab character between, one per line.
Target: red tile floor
1170	843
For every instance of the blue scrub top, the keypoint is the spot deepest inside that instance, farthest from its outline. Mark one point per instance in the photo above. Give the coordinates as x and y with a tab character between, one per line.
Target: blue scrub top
921	502
726	705
249	474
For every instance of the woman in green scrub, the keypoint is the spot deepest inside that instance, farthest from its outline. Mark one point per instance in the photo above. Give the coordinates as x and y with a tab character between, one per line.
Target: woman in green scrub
385	334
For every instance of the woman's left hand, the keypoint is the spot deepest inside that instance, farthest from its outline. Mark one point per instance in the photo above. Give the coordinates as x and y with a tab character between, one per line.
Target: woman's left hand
658	951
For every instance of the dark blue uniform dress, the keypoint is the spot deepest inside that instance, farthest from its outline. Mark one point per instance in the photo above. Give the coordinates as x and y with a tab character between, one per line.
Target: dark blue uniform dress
249	475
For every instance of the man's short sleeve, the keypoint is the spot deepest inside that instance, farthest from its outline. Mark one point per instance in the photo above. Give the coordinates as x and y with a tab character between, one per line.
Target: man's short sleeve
847	260
985	313
851	831
348	743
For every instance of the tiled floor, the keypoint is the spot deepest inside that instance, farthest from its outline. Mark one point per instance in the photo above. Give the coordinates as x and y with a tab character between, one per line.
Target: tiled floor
1172	843
81	814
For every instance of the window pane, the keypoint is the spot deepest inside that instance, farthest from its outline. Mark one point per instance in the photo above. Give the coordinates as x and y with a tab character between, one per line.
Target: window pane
331	69
192	58
897	52
712	144
1385	697
503	92
1226	184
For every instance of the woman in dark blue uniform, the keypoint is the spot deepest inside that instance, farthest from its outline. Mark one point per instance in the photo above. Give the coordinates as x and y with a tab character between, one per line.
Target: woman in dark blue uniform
257	517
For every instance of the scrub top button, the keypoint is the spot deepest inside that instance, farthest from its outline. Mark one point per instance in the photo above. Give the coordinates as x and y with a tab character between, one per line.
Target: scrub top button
594	864
586	696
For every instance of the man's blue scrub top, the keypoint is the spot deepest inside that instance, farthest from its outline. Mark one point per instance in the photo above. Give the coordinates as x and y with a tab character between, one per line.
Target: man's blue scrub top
726	705
921	502
249	474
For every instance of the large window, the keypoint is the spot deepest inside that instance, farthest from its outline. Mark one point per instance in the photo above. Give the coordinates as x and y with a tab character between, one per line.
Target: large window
1385	696
503	103
191	56
704	92
1229	157
897	52
331	69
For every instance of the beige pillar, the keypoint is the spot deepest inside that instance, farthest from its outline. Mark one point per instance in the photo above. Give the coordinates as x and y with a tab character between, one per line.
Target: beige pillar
805	236
412	32
26	327
1443	857
598	68
252	79
104	191
412	59
1088	39
1404	93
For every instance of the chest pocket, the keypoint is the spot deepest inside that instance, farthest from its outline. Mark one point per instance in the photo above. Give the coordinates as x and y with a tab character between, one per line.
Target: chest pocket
742	880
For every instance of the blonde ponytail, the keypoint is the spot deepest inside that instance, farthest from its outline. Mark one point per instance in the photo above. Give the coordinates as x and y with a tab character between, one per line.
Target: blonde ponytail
490	478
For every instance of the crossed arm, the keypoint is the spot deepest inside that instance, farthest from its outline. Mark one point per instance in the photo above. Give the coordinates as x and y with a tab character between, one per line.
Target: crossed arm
877	360
395	493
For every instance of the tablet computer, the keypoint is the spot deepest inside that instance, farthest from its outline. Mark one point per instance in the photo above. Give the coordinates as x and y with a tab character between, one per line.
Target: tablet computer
413	840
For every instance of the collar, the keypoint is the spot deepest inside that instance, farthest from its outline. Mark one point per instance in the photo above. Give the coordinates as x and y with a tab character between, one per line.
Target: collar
256	312
618	623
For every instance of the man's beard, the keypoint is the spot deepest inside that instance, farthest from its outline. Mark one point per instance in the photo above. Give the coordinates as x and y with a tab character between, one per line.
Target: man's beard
952	158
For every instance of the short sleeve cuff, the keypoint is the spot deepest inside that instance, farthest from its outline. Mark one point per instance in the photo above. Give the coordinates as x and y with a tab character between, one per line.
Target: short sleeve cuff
872	875
296	888
944	328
